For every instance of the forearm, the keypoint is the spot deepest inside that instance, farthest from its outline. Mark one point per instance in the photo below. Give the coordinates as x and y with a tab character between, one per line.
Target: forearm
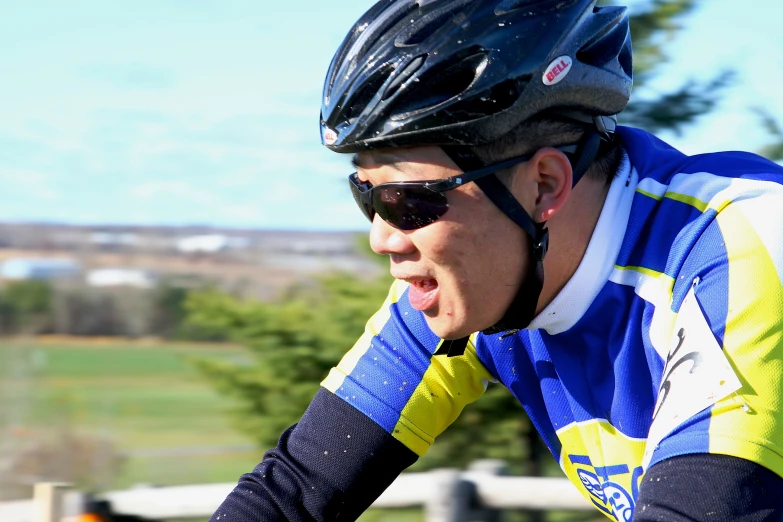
330	466
717	488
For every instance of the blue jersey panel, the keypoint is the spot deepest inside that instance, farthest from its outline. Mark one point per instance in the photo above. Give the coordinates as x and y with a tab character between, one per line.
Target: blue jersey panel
522	364
657	235
682	247
641	209
594	359
405	344
708	263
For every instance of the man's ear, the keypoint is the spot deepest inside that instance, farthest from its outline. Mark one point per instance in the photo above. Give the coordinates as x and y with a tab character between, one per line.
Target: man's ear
549	176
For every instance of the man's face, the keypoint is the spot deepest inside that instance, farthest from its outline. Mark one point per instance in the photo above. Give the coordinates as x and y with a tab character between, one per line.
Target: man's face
465	268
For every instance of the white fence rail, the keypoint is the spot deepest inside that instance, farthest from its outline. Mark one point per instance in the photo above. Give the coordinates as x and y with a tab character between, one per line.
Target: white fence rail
445	495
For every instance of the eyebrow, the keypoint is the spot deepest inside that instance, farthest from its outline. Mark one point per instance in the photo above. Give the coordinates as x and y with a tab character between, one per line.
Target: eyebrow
374	159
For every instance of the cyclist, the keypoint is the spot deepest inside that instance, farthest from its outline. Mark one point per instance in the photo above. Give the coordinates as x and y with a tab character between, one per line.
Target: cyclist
648	358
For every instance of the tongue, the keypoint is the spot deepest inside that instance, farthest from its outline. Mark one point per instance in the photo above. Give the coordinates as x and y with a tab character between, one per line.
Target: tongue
423	295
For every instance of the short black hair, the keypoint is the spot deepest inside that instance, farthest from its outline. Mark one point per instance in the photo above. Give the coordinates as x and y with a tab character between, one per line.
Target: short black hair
549	131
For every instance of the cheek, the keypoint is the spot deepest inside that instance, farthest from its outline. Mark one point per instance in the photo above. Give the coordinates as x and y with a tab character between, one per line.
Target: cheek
475	248
480	259
492	265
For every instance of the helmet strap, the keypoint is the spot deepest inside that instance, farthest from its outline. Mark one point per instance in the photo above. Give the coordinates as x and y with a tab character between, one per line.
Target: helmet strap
586	154
523	308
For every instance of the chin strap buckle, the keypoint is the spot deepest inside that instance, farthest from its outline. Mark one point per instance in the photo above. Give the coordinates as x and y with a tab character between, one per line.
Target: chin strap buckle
606	126
452	347
541	244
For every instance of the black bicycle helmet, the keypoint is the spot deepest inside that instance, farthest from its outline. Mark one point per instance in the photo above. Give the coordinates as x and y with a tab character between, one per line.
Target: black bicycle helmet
459	73
465	72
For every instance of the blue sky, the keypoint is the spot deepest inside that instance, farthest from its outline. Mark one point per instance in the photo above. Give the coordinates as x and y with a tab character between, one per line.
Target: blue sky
205	112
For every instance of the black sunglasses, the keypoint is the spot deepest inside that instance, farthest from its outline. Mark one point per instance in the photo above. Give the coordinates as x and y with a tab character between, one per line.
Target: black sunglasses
408	205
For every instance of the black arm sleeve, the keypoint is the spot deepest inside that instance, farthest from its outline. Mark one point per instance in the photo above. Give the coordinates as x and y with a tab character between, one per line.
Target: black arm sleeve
329	467
717	488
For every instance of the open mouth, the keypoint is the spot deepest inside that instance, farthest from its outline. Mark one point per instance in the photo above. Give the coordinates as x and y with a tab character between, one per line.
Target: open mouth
423	294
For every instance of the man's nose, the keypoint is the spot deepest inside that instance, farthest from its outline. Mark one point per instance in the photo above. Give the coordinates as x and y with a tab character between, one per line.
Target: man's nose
385	239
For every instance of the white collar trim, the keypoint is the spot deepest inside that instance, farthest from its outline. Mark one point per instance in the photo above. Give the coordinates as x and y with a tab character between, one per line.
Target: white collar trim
593	272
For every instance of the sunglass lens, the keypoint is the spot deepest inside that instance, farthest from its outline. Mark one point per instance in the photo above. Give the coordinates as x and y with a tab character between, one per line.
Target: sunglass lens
361	198
409	208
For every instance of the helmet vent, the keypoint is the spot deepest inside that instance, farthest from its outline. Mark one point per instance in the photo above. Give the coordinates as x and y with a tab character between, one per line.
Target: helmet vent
419	33
404	75
440	84
533	7
605	47
363	37
499	98
429	24
360	99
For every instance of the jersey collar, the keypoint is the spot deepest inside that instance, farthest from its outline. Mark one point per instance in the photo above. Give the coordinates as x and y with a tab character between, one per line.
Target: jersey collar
599	259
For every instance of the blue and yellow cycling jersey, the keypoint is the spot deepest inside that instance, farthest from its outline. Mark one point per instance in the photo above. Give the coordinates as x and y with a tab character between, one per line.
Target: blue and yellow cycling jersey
668	339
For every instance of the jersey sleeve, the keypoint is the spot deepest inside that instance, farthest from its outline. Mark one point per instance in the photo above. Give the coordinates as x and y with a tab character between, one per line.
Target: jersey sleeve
330	466
391	376
734	276
709	486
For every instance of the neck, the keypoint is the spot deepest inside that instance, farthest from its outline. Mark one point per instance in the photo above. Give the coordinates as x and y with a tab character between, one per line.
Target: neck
570	231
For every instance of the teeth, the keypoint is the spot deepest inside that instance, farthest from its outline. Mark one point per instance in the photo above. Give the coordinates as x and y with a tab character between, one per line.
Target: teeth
429	283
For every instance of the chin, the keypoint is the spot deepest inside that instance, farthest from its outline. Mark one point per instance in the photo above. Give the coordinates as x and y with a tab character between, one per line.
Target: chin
447	329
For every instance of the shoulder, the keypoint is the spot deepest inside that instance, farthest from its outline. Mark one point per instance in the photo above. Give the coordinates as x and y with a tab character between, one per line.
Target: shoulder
654	158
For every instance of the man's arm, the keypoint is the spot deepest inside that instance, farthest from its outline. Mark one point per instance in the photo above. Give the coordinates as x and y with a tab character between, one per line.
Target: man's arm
717	488
330	466
379	409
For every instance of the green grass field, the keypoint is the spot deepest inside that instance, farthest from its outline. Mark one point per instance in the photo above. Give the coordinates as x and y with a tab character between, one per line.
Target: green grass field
149	400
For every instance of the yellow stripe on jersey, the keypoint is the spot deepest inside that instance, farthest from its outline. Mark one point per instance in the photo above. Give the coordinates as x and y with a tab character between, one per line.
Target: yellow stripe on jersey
688	200
682	198
666	281
448	385
643	192
445	386
753	343
698	190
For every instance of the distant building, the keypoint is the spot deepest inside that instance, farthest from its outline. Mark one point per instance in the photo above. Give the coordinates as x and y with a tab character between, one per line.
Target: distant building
120	277
210	243
111	240
323	245
44	269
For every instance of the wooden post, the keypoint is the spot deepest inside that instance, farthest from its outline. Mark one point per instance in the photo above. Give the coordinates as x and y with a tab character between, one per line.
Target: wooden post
493	468
48	499
538	452
451	497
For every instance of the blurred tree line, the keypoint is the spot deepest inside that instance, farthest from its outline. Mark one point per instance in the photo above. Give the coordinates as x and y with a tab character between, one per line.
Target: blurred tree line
33	307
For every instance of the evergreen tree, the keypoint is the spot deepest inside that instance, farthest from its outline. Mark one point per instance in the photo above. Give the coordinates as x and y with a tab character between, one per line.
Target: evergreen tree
772	151
654	26
294	343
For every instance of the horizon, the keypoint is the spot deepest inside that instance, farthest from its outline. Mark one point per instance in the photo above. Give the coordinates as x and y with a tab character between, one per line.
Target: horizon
206	227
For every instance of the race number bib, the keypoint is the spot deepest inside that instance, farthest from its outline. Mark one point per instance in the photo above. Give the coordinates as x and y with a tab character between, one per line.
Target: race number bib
696	375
